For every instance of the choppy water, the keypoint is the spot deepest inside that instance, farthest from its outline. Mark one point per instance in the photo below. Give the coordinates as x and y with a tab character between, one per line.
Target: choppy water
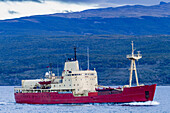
161	104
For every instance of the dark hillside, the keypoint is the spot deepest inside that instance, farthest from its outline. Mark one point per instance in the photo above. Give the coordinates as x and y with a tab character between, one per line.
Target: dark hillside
48	25
26	57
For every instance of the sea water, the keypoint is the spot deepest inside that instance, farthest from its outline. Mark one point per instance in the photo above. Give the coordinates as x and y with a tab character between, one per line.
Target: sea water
161	104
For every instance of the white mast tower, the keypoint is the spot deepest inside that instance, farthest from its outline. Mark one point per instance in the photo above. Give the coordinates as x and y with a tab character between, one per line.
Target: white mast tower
133	57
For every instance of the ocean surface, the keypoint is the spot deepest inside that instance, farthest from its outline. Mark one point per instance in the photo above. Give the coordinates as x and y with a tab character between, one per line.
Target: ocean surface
161	104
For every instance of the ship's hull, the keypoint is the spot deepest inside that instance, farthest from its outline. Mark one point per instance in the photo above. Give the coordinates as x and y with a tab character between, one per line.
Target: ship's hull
132	94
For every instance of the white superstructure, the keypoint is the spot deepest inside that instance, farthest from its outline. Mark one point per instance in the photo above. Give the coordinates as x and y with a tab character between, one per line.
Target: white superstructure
80	82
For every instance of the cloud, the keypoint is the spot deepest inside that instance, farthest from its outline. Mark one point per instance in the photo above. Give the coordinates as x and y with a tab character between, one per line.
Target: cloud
139	2
65	1
117	2
39	1
114	3
9	10
83	1
100	2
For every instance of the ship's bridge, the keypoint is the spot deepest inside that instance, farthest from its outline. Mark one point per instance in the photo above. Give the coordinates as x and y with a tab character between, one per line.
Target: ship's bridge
71	68
79	73
71	65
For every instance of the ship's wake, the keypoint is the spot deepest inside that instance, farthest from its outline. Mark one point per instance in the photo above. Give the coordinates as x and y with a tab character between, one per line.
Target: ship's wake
6	103
147	103
3	103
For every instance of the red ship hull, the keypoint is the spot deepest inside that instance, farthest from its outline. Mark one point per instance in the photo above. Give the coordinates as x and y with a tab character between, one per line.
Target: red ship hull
132	94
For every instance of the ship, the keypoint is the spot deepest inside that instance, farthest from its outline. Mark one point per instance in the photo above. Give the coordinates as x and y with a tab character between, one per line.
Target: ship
77	86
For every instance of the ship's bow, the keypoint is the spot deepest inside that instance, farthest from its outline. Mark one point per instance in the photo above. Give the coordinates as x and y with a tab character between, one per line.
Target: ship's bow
150	92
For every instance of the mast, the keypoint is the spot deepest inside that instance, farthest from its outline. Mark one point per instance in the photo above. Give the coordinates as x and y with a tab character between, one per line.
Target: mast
75	53
133	57
57	70
87	58
50	75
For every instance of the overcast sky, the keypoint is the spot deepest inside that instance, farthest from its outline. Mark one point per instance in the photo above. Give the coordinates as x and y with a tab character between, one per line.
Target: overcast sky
104	2
147	2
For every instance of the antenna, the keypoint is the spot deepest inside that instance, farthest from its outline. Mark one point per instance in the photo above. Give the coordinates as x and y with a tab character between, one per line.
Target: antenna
88	58
50	68
75	52
57	70
132	48
65	55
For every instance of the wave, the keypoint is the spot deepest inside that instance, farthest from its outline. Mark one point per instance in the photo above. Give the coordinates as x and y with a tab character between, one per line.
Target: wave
6	103
147	103
3	103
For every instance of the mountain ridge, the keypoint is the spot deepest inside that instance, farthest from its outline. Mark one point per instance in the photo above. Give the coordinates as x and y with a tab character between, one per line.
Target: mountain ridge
161	10
136	11
50	25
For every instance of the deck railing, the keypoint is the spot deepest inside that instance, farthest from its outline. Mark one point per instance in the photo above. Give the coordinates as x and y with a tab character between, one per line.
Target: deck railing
134	56
28	90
